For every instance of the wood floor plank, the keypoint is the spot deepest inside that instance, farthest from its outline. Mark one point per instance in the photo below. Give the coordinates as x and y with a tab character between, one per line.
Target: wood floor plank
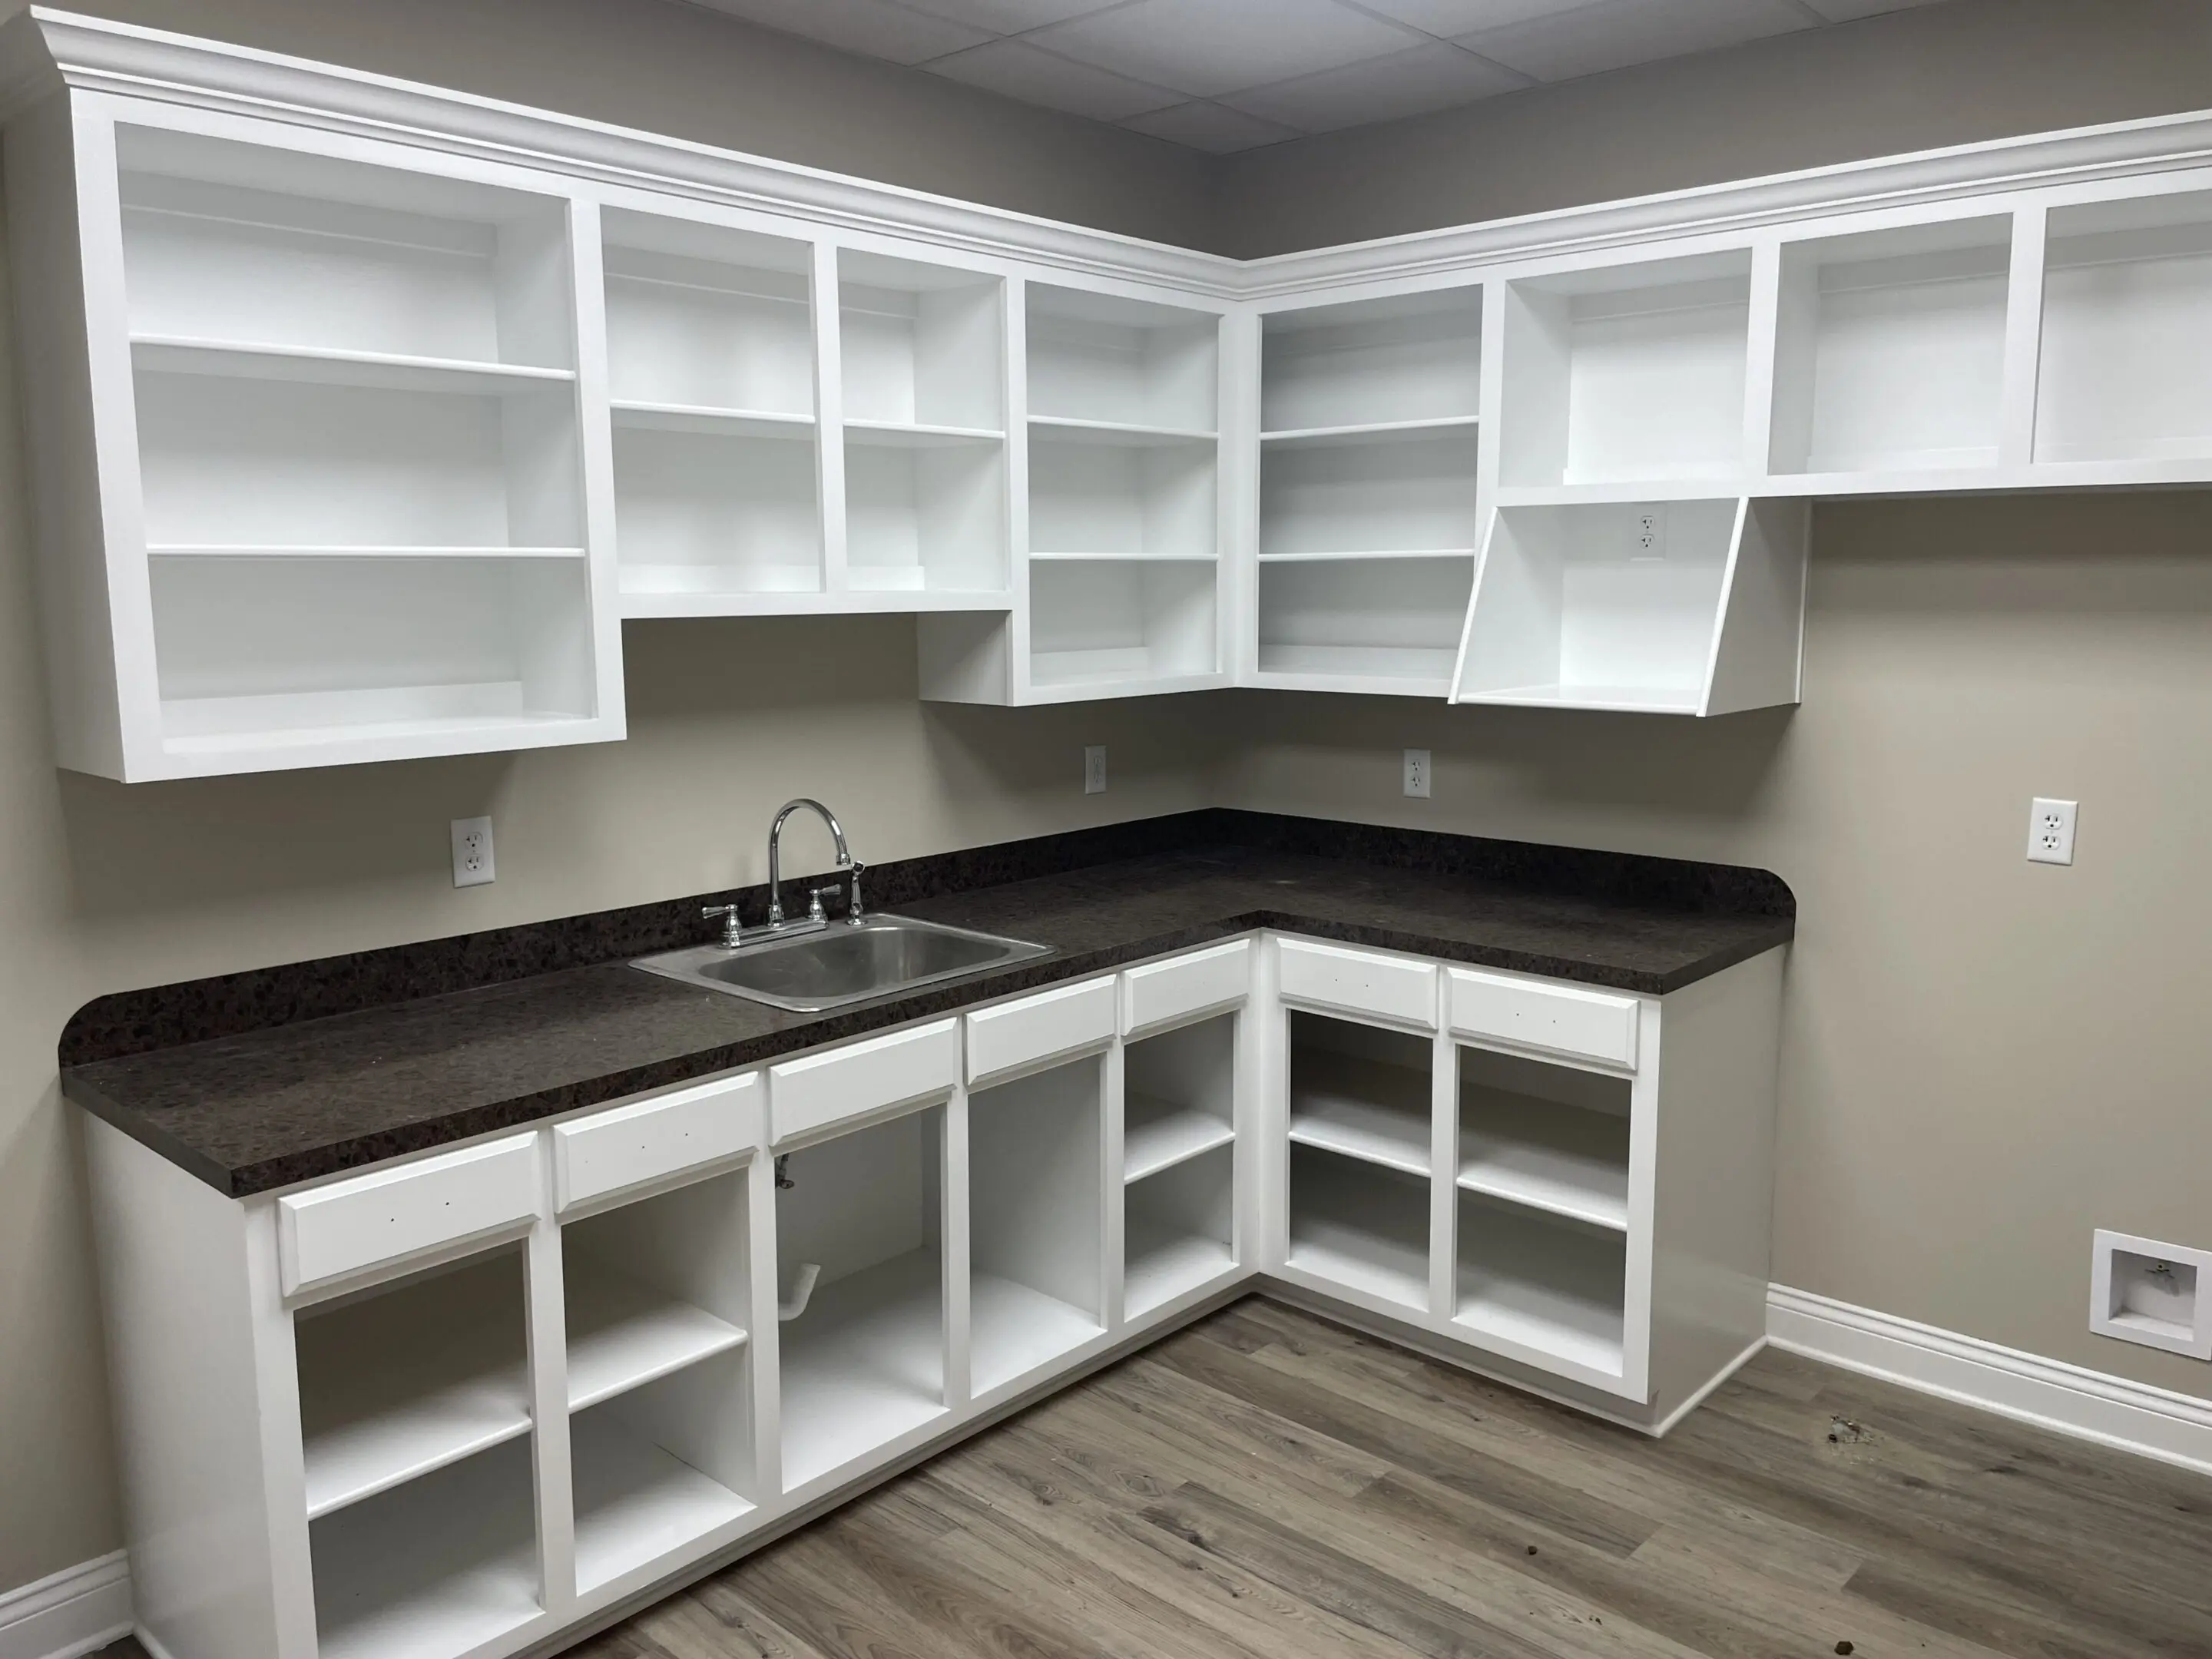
1269	1484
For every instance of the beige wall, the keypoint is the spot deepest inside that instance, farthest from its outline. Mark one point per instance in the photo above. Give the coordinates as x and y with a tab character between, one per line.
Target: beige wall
1950	74
1983	1060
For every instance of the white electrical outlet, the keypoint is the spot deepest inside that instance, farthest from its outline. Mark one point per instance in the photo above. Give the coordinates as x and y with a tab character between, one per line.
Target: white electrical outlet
1650	533
472	864
1417	774
1094	769
2051	831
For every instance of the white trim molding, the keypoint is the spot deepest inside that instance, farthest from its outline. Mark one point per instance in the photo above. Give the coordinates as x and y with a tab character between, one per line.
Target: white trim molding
2070	1399
78	1610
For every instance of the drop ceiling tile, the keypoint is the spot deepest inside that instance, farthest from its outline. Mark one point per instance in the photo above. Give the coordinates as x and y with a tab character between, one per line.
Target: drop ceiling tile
1009	16
1614	34
1846	11
1214	127
1023	71
1448	18
1429	77
1208	46
872	27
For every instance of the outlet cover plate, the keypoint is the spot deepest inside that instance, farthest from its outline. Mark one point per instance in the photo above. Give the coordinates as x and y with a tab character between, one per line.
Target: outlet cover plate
2051	831
1094	769
472	852
1417	774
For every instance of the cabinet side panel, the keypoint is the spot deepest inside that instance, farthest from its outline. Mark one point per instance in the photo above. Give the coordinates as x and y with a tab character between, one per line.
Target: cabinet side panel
46	270
1713	1202
183	1335
1760	642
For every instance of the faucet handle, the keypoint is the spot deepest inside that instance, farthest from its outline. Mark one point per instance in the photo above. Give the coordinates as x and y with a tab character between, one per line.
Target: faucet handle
815	896
732	929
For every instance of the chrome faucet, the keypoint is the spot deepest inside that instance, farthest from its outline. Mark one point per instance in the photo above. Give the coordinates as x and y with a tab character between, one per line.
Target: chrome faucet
846	861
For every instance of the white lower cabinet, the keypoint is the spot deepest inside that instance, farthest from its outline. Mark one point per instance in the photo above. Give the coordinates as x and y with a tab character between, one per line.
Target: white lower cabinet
455	1406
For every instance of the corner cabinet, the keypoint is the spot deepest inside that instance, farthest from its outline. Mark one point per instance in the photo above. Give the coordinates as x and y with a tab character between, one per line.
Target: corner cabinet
363	414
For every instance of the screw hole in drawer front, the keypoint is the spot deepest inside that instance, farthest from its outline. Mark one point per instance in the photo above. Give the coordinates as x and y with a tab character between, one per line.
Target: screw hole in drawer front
819	1090
1552	1019
350	1227
653	1141
1184	987
1058	1023
1358	981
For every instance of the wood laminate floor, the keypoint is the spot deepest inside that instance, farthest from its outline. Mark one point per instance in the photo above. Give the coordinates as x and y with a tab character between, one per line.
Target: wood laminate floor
1267	1486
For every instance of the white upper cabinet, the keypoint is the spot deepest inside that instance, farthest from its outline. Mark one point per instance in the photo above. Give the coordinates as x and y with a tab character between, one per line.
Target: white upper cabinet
349	447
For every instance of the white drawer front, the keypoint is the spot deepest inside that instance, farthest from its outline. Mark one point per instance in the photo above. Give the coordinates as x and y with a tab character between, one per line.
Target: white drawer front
1063	1021
654	1139
1164	990
1329	977
810	1094
335	1232
1557	1019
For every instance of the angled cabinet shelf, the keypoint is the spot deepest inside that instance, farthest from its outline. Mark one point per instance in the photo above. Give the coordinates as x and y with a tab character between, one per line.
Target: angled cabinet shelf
1685	607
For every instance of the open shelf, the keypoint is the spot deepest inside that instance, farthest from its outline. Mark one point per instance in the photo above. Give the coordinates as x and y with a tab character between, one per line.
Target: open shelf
2126	369
410	1379
717	513
1361	1225
623	1335
708	317
1627	372
1889	355
433	1569
1127	363
864	1363
321	366
1178	1231
260	651
1550	1137
1550	1287
1392	620
230	242
1120	622
1413	357
1612	606
1097	495
641	1490
1178	1096
1361	1092
1398	490
1036	1230
925	517
921	345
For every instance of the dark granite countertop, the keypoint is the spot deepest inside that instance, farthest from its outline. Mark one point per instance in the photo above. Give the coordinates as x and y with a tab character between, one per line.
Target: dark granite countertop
260	1101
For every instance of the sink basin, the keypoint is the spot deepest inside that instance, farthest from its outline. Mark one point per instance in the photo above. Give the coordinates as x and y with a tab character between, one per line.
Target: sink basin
840	963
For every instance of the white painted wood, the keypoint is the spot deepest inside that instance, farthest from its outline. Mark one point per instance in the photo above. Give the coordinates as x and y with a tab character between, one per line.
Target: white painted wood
623	1335
78	1610
1179	1231
1758	650
1360	1227
1019	1036
1549	1017
818	1091
1400	358
1358	1105
1107	627
2023	360
1180	988
371	1222
1521	1141
1397	988
656	1139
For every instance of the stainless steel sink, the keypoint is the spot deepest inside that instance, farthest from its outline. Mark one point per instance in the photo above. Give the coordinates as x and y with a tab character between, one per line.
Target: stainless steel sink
828	967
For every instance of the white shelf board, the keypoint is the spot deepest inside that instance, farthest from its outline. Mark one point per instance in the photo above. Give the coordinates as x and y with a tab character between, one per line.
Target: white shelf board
1363	1261
712	422
864	1364
437	734
897	434
635	1502
209	550
1015	1328
1617	699
1700	487
1564	1160
737	601
1317	437
1061	429
1157	1268
1362	1108
1038	556
1158	1134
622	1334
1085	688
1357	554
377	370
1579	1325
1374	684
444	1567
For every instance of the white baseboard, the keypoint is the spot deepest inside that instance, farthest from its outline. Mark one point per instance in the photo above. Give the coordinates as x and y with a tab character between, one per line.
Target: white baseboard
76	1610
2134	1417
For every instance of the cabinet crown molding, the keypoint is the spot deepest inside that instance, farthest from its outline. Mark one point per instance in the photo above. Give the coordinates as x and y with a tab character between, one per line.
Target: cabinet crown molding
43	48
